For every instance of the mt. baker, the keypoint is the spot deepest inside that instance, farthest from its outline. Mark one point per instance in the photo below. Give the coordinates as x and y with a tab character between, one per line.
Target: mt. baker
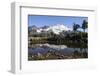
55	28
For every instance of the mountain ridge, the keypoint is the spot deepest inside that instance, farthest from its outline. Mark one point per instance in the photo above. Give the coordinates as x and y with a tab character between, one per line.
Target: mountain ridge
54	28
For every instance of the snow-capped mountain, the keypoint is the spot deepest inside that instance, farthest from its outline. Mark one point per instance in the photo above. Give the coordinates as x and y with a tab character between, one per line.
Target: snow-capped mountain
55	28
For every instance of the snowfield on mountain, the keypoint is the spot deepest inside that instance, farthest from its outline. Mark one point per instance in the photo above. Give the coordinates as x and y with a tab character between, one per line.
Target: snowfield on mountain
55	28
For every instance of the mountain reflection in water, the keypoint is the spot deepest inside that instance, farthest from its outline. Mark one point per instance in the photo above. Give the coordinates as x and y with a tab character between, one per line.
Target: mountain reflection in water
44	48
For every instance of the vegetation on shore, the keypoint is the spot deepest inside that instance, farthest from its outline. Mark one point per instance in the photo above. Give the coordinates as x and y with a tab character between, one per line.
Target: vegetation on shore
57	55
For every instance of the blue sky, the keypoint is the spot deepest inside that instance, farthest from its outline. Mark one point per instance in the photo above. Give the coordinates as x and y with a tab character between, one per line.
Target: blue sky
41	20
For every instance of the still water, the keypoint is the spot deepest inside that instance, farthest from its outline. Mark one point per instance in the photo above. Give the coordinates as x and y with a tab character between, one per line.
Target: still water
44	48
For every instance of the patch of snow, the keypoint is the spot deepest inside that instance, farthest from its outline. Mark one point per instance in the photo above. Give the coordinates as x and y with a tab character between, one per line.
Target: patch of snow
56	28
